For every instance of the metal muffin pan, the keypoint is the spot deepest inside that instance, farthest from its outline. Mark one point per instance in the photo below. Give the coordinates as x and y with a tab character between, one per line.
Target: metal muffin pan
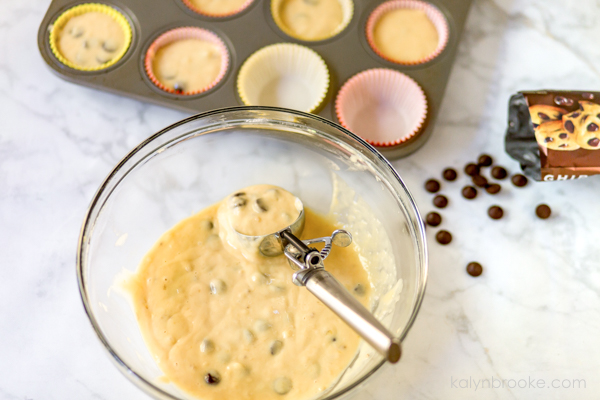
345	54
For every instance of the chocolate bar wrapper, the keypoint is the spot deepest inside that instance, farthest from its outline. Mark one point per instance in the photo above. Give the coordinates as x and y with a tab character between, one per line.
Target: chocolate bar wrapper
555	135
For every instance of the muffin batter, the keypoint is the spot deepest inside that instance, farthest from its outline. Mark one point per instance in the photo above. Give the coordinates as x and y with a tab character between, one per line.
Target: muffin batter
311	19
405	35
218	7
223	327
91	39
187	65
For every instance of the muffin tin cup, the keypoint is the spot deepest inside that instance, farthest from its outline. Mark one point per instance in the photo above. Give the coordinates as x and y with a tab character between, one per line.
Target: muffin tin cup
81	9
284	75
347	14
384	107
436	17
189	4
182	33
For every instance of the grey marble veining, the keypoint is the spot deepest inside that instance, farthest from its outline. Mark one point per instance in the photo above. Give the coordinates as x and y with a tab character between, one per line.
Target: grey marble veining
533	314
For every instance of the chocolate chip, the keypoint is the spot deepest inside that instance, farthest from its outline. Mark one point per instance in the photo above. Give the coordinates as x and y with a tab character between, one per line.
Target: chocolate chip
594	142
474	268
178	87
261	206
563	136
519	180
587	96
433	218
569	126
237	201
535	126
543	211
584	118
450	174
359	289
238	194
597	115
472	169
432	186
493	188
563	145
217	286
110	45
207	346
563	101
575	115
495	212
443	237
469	192
592	127
480	181
212	378
499	172
76	31
484	160
282	385
440	201
548	140
275	347
543	116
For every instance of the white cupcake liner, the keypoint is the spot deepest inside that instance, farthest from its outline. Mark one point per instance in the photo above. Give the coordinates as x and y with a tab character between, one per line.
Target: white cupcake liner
436	17
383	106
284	75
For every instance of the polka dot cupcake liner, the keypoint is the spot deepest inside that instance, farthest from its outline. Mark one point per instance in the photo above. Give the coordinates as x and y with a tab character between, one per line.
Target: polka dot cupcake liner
183	33
65	17
436	17
207	12
384	107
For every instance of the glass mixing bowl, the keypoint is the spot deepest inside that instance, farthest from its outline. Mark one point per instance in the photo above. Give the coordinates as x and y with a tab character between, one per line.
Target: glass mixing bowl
197	162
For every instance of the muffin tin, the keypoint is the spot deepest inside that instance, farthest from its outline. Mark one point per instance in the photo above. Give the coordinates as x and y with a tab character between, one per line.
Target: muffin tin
346	54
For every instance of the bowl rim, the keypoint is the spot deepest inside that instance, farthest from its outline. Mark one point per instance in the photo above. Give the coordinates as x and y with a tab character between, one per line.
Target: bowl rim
144	384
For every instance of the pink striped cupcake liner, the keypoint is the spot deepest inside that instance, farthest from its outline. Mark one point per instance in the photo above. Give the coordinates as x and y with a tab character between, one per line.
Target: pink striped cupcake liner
182	33
436	17
384	107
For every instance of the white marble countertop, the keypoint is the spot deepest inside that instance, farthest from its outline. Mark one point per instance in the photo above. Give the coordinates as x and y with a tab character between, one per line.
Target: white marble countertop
532	315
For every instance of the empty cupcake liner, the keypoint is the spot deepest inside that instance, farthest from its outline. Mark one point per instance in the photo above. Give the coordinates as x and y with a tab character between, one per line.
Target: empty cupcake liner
284	75
182	33
81	9
383	106
436	17
347	13
208	13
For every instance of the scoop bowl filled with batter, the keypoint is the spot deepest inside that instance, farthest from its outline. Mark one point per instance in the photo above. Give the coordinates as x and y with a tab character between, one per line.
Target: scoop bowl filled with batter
184	315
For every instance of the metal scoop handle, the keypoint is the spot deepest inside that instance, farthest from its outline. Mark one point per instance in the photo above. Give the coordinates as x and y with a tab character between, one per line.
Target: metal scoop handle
311	273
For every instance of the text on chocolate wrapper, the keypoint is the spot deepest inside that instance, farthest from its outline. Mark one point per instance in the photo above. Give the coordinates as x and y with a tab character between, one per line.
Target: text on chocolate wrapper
563	177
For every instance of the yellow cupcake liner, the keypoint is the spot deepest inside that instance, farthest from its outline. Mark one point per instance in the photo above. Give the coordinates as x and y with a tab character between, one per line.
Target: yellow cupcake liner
284	75
81	9
347	9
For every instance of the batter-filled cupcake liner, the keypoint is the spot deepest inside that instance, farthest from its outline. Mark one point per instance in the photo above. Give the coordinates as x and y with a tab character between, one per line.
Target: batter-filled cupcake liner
182	33
347	14
436	17
81	9
383	106
208	13
284	75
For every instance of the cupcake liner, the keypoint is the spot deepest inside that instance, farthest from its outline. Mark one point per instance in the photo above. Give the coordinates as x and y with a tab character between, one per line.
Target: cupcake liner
383	106
284	75
206	13
81	9
347	10
182	33
433	13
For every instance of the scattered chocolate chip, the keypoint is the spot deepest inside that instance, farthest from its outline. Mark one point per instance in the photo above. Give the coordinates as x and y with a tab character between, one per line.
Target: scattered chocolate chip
261	206
76	31
433	218
569	126
534	126
449	174
563	101
207	346
440	201
432	186
543	116
443	237
206	224
238	194
480	181
474	268
484	160
217	286
499	172
472	169
359	289
110	45
543	211
212	378
592	127
495	212
469	192
282	385
584	118
597	115
275	347
237	201
575	115
563	136
519	180
548	140
594	142
587	96
493	188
